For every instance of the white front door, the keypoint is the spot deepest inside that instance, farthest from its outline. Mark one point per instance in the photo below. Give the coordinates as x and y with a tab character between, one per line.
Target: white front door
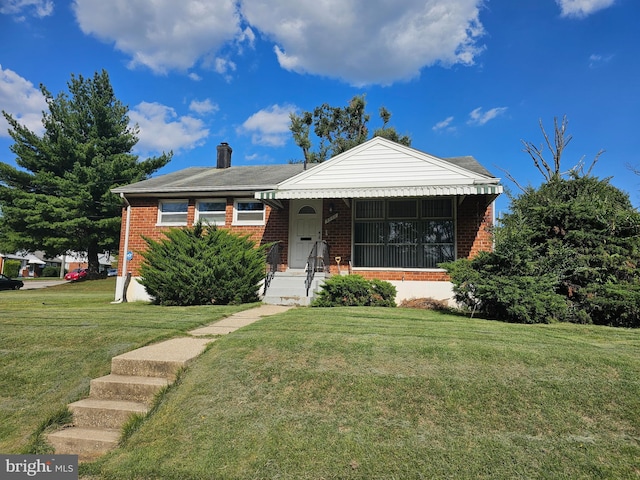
305	228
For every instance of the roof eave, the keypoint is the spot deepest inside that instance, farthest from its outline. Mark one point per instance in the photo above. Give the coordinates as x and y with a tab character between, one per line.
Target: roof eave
191	191
382	192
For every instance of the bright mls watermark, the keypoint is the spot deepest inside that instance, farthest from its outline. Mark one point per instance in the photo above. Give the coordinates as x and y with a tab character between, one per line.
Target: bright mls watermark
50	467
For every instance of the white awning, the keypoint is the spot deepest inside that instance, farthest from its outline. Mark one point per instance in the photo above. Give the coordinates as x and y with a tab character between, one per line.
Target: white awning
381	192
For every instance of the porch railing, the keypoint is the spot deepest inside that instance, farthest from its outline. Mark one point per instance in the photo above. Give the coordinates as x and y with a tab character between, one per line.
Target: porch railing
273	262
318	261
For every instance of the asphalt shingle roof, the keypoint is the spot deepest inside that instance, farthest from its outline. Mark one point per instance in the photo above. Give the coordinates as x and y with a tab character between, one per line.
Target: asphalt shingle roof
247	178
211	179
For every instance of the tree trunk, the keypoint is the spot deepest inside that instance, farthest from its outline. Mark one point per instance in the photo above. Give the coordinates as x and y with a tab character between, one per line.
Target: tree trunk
92	261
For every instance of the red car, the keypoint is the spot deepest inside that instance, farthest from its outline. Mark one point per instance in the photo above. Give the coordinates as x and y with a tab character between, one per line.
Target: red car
76	274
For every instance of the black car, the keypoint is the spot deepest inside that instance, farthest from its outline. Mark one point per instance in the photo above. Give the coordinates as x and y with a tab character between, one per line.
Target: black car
7	283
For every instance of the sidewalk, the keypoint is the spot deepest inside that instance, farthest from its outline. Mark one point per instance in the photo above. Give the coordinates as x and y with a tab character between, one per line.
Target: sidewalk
180	351
135	378
239	320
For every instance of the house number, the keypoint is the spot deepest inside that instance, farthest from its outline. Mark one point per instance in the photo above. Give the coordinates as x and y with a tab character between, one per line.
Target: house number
331	218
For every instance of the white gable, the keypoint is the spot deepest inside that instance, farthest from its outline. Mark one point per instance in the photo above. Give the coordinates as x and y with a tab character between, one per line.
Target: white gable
380	167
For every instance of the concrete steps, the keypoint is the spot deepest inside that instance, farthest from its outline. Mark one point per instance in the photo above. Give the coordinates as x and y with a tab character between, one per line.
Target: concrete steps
135	379
87	443
127	387
287	288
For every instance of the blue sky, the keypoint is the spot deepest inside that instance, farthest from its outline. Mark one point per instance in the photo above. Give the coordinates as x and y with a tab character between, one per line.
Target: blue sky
461	77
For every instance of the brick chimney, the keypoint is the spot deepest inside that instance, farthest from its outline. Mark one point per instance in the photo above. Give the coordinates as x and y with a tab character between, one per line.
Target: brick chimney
224	155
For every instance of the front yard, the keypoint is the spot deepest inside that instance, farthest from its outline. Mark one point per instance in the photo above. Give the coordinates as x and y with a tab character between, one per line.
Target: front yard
336	393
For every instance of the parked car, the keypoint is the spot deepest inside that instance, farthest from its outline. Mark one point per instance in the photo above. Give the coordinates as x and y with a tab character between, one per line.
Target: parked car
7	283
76	274
112	272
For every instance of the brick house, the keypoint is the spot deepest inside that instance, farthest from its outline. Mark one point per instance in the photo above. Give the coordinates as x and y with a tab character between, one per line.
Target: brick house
380	210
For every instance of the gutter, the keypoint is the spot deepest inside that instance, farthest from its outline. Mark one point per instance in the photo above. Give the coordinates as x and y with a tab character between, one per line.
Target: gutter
125	274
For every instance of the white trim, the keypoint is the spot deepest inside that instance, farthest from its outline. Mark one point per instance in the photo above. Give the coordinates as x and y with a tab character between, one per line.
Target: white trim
382	192
161	215
240	221
222	213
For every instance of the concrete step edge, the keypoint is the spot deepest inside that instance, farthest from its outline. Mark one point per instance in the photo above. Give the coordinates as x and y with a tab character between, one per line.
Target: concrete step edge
126	387
96	413
87	443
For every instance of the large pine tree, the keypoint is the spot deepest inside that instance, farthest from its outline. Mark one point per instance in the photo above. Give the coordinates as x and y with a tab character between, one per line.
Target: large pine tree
59	198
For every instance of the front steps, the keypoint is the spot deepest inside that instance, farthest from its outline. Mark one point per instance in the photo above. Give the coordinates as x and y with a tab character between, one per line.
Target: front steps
135	379
287	288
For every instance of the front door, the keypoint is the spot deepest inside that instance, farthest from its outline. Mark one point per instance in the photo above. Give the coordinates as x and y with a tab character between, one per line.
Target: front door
305	228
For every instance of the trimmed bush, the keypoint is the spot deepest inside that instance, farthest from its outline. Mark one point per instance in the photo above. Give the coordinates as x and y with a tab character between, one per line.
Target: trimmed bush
203	265
12	268
50	272
355	291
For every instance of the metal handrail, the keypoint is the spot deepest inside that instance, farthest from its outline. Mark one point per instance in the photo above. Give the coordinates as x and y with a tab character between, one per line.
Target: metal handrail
273	262
318	261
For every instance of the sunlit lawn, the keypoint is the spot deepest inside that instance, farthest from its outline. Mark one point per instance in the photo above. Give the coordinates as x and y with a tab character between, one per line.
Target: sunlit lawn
53	341
334	393
397	393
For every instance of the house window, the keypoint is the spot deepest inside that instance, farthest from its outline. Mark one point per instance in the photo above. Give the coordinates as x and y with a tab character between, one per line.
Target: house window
173	212
211	211
248	212
404	233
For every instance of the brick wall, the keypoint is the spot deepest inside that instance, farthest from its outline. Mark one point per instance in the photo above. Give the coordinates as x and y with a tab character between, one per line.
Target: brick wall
337	232
474	215
475	219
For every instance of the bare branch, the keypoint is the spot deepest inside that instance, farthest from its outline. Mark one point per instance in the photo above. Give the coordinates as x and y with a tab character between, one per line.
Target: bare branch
595	160
511	177
538	159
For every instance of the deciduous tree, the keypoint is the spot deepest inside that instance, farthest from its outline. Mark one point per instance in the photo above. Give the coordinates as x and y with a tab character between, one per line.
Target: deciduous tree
338	129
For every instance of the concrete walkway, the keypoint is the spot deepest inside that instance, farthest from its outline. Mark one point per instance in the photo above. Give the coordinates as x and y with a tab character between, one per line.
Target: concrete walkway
239	320
135	378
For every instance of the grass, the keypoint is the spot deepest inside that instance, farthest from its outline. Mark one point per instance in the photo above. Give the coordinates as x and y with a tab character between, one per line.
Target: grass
396	393
53	341
352	393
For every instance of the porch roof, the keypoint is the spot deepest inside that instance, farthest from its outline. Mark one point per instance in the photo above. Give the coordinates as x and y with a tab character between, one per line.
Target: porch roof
381	168
381	192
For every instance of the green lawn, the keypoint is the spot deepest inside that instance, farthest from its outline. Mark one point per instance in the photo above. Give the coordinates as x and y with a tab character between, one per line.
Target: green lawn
347	393
53	341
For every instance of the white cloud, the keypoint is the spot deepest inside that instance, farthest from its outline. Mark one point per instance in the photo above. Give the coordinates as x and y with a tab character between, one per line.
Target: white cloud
224	66
162	34
161	129
596	61
582	8
478	117
37	8
358	41
22	100
368	42
270	126
444	125
203	107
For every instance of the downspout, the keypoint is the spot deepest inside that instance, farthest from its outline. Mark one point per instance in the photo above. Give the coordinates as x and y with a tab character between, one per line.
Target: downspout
125	274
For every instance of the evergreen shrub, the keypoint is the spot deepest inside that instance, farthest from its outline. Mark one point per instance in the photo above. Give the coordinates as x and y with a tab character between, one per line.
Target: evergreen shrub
12	268
50	271
355	291
202	265
568	250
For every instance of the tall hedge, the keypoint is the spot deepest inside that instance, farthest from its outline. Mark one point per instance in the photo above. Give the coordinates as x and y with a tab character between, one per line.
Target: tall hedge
568	250
12	268
202	265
